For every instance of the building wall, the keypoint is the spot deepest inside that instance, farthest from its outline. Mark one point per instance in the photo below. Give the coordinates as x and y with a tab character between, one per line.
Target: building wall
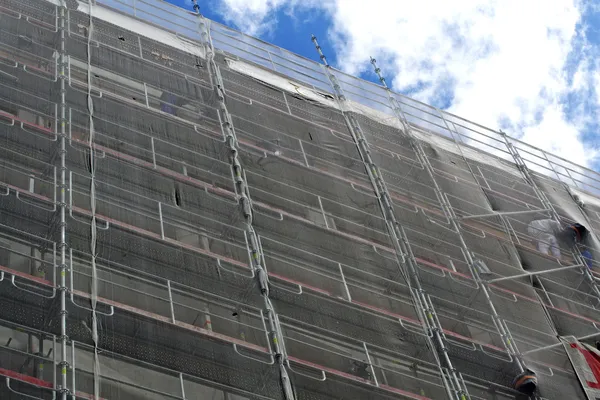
179	311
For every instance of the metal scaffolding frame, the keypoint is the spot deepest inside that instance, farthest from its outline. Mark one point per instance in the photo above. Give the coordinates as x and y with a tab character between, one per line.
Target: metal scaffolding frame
384	252
245	201
404	253
451	216
63	245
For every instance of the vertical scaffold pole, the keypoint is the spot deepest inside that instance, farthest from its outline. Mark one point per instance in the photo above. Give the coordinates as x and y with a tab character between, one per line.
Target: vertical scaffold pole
62	268
451	215
456	388
245	201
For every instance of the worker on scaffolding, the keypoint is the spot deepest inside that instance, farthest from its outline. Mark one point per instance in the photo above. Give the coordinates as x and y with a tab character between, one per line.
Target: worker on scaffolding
526	382
549	235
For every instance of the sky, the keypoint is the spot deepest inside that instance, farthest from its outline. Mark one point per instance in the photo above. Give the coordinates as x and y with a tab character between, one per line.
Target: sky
530	68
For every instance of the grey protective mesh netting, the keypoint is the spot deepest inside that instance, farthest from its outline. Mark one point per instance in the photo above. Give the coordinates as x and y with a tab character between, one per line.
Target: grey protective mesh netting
223	237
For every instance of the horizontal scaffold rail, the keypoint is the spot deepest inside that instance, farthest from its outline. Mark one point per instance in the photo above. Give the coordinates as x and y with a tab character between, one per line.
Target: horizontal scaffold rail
165	193
224	192
208	333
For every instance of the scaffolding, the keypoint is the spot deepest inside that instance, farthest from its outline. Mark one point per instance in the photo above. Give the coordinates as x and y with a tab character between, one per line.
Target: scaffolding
187	212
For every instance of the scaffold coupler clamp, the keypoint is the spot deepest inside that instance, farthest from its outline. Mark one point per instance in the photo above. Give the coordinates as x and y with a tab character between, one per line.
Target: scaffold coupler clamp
263	280
65	391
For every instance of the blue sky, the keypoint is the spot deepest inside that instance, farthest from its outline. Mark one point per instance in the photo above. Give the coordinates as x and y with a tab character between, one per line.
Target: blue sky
529	68
289	32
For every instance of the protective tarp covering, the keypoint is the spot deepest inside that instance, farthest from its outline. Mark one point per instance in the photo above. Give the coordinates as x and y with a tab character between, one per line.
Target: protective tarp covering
191	213
586	361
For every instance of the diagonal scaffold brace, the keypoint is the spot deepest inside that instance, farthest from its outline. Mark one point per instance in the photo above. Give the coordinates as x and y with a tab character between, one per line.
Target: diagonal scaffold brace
448	210
279	354
455	385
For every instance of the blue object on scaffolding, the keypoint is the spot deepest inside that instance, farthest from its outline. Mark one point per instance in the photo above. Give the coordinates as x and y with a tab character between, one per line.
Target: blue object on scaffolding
587	256
168	102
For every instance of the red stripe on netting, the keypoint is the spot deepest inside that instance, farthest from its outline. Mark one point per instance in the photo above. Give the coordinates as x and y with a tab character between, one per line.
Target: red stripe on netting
386	312
230	194
168	320
467	277
468	339
42	383
202	184
39	127
27	276
295	282
156	236
242	265
404	392
164	171
330	370
138	311
29	194
26	378
356	378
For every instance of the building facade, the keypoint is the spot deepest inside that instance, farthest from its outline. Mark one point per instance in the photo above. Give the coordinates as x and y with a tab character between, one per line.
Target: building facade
187	212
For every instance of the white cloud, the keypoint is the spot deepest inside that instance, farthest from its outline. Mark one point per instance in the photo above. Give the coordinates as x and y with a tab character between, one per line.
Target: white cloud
596	83
254	17
258	17
504	59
